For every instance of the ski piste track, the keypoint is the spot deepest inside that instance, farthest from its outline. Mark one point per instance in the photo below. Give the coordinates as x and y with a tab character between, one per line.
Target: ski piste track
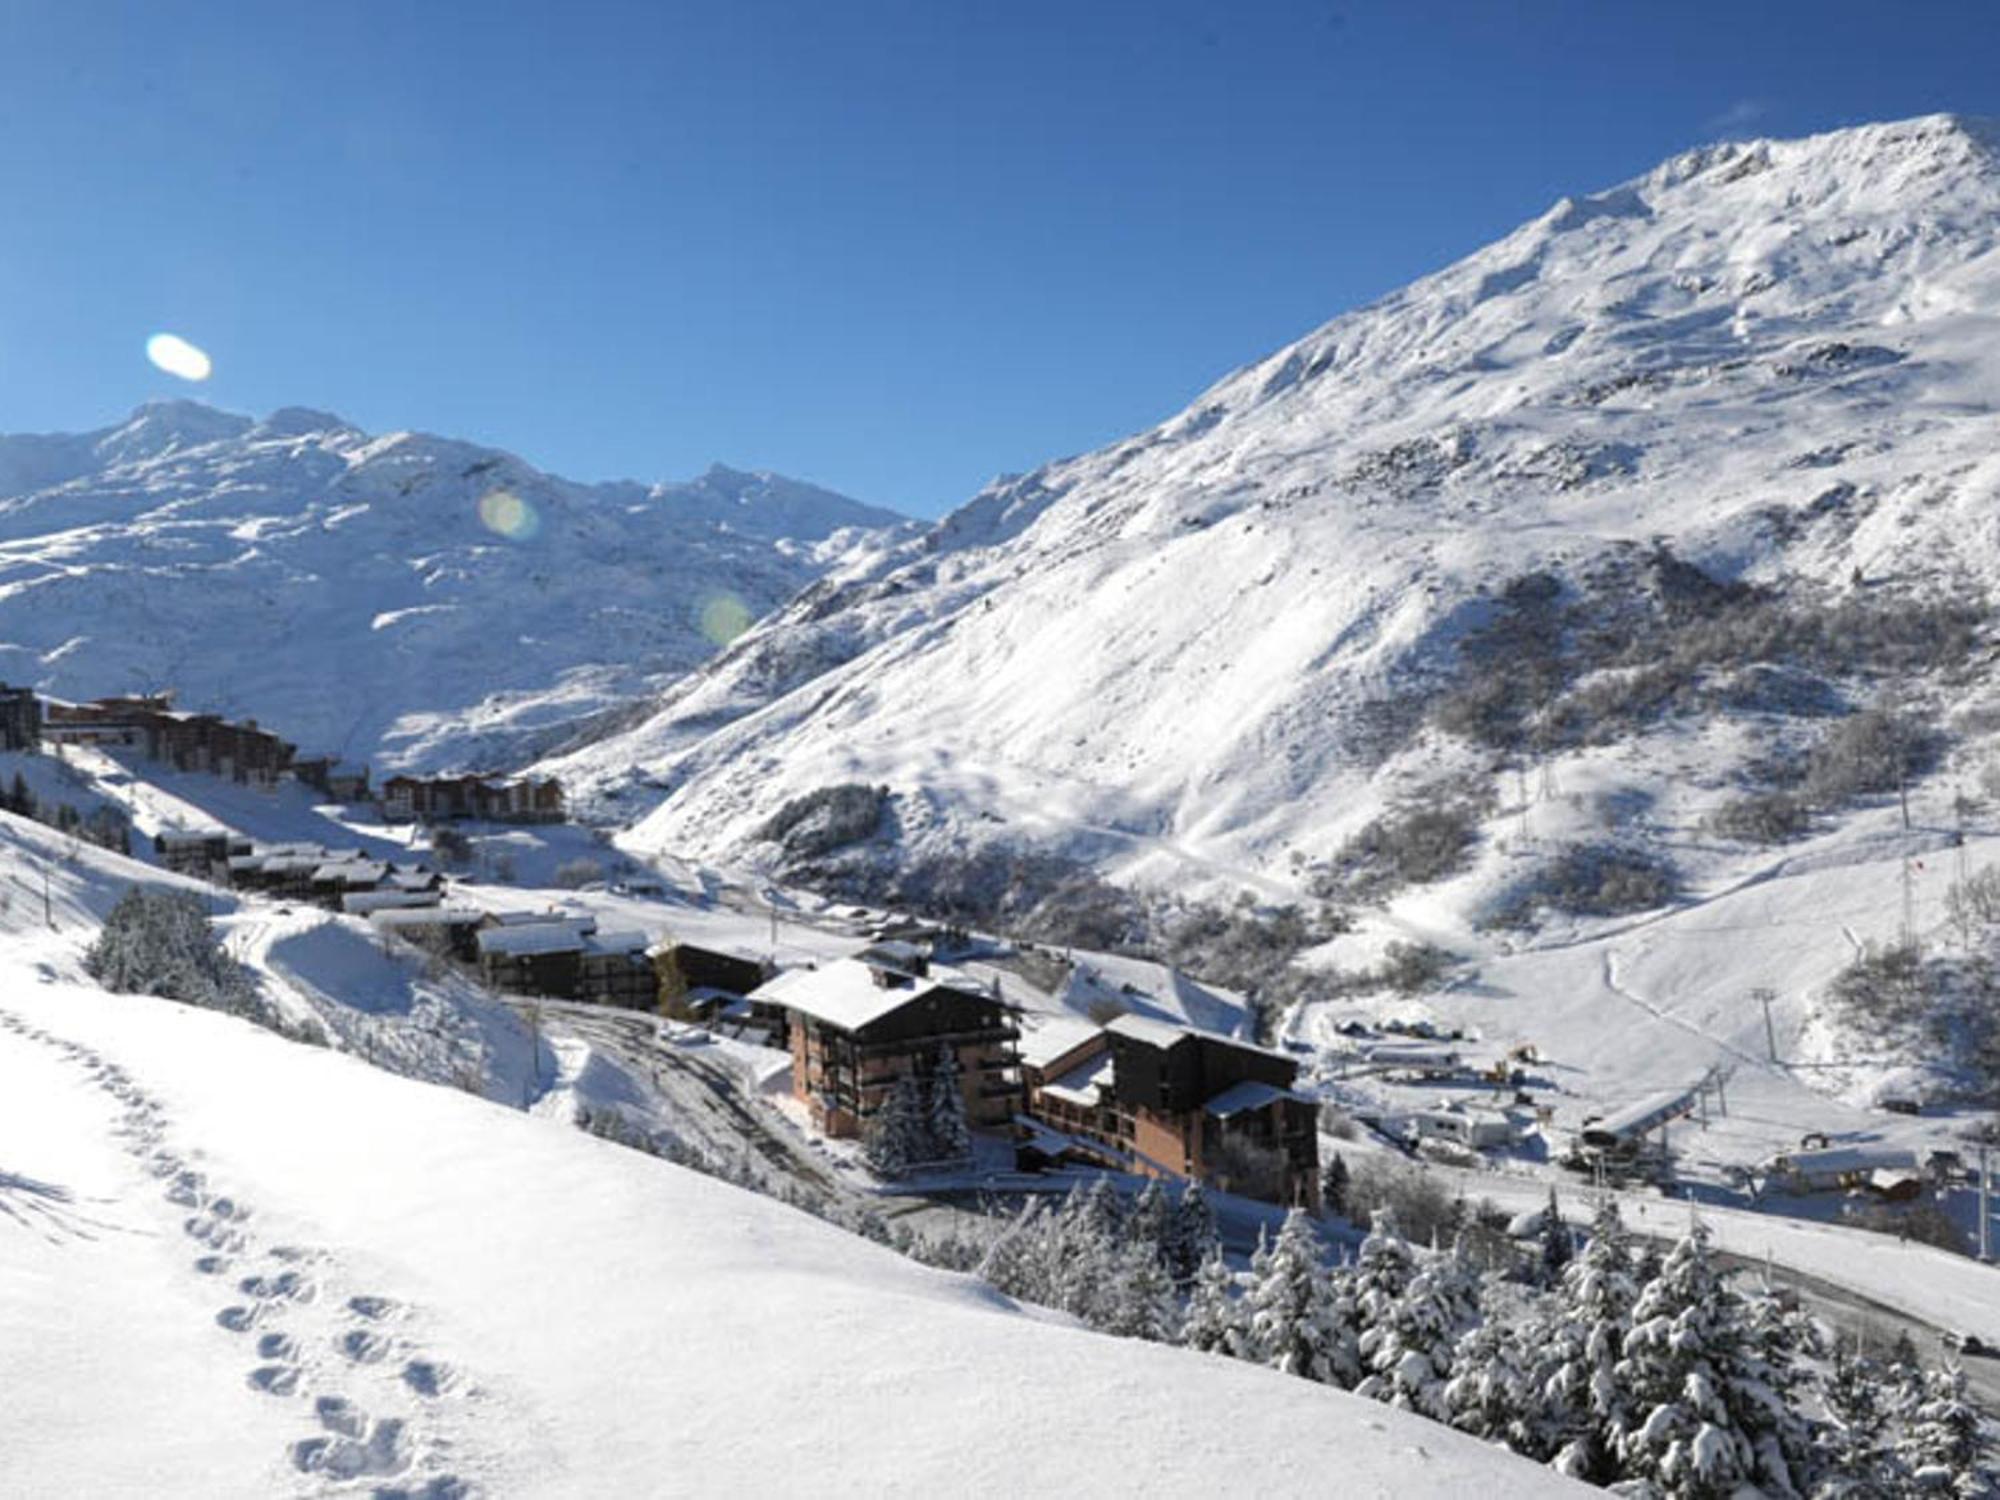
354	1362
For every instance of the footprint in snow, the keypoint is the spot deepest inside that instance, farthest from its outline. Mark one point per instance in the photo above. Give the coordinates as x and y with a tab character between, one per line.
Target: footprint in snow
286	1286
430	1377
384	1453
372	1308
240	1319
362	1347
275	1380
280	1346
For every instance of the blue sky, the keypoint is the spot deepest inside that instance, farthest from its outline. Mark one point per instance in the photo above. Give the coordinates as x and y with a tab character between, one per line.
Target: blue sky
892	247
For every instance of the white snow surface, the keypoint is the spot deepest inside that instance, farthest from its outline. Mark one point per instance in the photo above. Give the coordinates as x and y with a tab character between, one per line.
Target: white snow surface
234	1265
344	589
1172	657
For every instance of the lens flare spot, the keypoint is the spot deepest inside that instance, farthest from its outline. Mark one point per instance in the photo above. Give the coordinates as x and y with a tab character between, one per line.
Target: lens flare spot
175	355
723	617
505	513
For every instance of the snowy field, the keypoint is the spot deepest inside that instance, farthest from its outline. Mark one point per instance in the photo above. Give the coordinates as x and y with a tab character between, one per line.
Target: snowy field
249	1267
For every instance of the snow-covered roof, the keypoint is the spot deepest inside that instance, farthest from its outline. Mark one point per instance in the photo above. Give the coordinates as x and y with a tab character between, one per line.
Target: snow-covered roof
1636	1119
526	939
1080	1084
1050	1037
1146	1029
352	871
1838	1161
845	993
362	902
1241	1098
607	943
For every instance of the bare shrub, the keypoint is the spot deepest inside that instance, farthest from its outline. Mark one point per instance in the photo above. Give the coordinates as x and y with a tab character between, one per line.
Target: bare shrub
1761	818
1424	1210
1874	751
827	819
1427	839
573	874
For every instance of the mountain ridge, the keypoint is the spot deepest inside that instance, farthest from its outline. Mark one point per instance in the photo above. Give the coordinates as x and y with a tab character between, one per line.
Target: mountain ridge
421	601
1172	657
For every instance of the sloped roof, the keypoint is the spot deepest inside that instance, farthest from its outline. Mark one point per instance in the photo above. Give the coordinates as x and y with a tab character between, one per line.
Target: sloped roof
1052	1036
1249	1095
1080	1084
526	939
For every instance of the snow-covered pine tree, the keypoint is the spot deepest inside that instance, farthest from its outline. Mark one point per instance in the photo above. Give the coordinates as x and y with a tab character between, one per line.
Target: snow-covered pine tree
950	1132
1556	1246
1213	1321
1706	1415
1099	1210
1579	1346
1141	1301
1407	1346
1192	1237
1856	1443
1083	1252
898	1137
1943	1443
1013	1263
1491	1393
1382	1270
1150	1221
1286	1302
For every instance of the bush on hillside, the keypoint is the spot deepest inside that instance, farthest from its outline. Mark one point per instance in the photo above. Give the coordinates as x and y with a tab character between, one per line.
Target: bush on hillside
1761	818
1874	751
1428	838
826	819
159	942
1593	880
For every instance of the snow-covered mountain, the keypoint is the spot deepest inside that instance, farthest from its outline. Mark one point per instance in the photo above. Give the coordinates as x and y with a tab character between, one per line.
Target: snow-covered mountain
1216	650
406	598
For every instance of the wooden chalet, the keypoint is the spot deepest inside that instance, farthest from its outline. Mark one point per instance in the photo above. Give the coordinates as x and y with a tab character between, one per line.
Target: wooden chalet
566	958
204	853
432	799
186	741
698	984
1163	1100
856	1027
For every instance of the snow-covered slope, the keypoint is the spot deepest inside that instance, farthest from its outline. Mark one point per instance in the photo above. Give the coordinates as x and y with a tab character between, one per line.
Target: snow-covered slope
234	1265
1204	654
405	598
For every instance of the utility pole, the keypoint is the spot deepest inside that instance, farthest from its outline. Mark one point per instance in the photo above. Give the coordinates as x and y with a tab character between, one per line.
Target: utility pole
1909	907
1985	1207
1766	995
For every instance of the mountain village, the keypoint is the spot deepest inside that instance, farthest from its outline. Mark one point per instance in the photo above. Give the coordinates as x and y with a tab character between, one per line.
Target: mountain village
1490	930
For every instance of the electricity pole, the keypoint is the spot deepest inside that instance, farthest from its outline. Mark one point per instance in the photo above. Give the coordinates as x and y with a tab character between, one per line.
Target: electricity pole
1985	1207
1766	996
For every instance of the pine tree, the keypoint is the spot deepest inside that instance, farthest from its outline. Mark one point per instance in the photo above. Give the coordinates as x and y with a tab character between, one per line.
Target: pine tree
1286	1302
1707	1387
1491	1393
1082	1253
1151	1220
1213	1322
1333	1186
897	1138
1142	1303
1854	1457
1556	1246
1192	1237
1407	1347
1382	1270
1583	1404
950	1132
1943	1443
